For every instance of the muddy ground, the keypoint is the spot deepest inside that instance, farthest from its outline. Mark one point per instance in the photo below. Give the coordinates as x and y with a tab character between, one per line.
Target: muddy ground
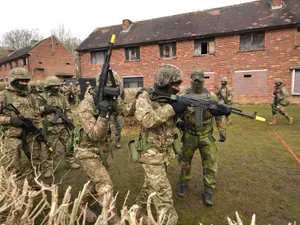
256	174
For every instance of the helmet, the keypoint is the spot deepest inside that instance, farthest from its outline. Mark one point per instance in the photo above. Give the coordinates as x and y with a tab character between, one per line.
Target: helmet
278	80
167	75
224	79
18	73
52	81
197	75
87	83
109	83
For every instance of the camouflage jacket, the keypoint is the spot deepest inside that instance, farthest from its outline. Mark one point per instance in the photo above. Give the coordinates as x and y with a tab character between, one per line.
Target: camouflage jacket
27	106
225	94
280	95
207	128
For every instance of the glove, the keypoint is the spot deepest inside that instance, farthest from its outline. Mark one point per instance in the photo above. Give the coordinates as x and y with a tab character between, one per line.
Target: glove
49	109
104	108
179	107
222	137
16	122
219	110
181	125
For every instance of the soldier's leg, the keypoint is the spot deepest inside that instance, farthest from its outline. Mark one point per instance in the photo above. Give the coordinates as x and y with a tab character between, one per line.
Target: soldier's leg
118	131
11	151
190	144
52	138
208	151
285	114
156	181
274	114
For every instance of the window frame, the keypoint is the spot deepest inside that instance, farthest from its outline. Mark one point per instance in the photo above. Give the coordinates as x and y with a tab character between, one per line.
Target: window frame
172	49
293	82
128	53
24	61
132	79
210	47
252	46
94	61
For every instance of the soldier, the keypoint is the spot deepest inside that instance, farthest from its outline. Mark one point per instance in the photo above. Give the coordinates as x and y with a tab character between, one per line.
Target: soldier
56	130
92	145
16	138
64	89
77	93
71	95
225	95
280	101
157	118
199	138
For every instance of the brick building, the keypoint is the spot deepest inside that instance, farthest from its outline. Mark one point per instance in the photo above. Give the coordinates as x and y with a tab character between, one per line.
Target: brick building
43	58
250	43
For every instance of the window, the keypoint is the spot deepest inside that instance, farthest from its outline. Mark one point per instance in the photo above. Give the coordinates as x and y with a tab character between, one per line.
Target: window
132	53
24	62
10	65
204	46
167	50
133	81
0	67
252	41
296	82
297	43
98	57
16	63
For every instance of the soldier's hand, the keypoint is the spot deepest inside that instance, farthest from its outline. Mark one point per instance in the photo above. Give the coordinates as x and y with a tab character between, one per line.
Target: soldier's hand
104	108
181	125
222	137
49	108
16	122
219	110
179	107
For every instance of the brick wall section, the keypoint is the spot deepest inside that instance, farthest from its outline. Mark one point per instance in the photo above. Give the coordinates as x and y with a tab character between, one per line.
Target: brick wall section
277	57
52	64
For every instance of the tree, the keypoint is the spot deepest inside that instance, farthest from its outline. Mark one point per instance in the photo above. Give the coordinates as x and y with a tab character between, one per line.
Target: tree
3	52
65	37
19	38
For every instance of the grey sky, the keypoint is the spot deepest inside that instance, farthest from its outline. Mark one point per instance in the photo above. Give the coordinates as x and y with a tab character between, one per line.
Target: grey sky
82	17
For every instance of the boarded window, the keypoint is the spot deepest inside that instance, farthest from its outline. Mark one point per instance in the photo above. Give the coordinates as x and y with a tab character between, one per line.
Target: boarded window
167	50
133	81
252	41
204	46
251	82
297	43
98	57
296	82
132	53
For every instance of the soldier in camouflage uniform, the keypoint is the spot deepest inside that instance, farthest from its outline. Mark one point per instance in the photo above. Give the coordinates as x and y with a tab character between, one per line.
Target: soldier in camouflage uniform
56	131
77	93
12	127
225	95
201	138
92	145
280	101
158	120
64	89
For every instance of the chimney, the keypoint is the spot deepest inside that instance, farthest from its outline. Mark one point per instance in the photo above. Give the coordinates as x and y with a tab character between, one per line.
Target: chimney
277	4
126	25
33	42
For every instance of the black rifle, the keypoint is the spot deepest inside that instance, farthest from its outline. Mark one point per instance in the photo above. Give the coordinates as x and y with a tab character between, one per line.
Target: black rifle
58	113
201	105
104	92
29	128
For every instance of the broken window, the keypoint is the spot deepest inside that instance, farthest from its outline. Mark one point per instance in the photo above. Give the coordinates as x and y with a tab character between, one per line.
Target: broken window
252	41
167	50
132	53
297	43
24	62
98	57
204	46
133	81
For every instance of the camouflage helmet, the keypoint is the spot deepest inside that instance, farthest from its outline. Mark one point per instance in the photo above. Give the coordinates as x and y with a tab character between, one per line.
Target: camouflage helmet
197	75
116	77
167	75
224	79
278	80
18	73
52	81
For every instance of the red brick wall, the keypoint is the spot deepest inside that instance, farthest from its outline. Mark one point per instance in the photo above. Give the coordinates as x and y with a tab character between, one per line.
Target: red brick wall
277	57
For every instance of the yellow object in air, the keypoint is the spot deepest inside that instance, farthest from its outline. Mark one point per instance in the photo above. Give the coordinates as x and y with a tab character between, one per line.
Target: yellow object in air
50	149
113	39
261	119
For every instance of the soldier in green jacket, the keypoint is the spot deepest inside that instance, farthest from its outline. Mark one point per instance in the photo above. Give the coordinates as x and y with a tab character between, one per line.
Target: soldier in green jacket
225	95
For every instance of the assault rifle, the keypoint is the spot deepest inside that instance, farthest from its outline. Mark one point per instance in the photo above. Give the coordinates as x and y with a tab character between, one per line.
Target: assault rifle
59	114
29	128
201	105
104	92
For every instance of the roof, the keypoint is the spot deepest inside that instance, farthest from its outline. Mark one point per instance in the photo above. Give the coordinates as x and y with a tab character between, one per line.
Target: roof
212	22
21	52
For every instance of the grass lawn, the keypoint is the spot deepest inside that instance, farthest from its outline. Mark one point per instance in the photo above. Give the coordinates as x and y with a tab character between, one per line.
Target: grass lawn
256	174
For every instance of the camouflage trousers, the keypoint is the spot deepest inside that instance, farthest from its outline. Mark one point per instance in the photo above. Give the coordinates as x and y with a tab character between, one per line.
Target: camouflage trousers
116	123
208	152
276	108
55	134
156	181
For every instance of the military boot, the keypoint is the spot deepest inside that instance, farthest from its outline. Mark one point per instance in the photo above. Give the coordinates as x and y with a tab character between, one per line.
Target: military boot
118	142
49	172
91	217
290	119
74	166
273	122
208	198
182	188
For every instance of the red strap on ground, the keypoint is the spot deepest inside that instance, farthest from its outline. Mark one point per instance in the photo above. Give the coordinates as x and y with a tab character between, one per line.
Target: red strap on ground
288	148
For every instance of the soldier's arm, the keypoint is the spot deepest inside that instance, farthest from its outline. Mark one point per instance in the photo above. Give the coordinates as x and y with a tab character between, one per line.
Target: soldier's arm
147	115
96	129
4	118
283	93
229	94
